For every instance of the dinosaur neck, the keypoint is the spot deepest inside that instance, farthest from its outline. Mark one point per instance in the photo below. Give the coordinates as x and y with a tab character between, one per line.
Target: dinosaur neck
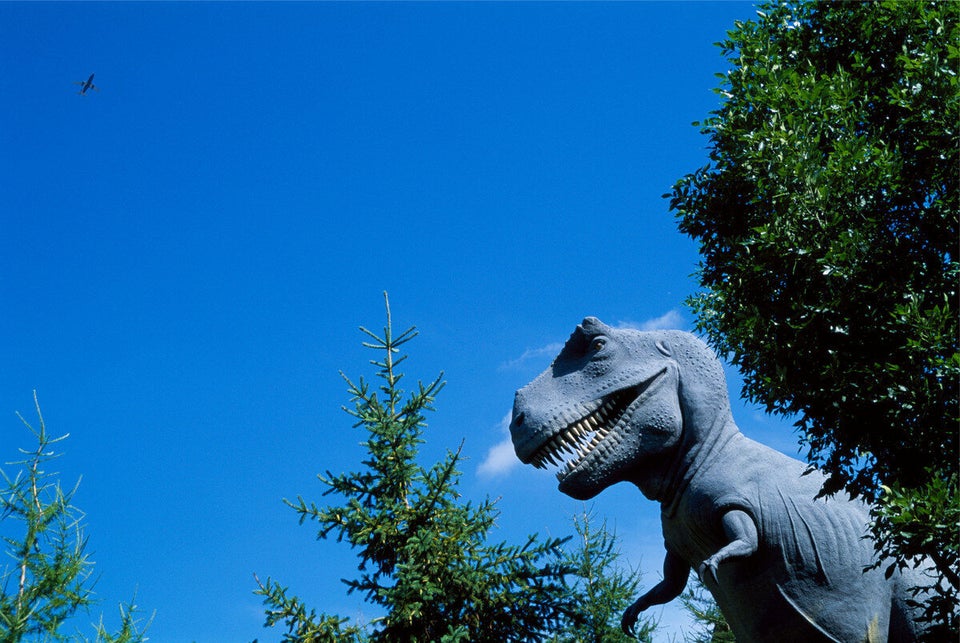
699	449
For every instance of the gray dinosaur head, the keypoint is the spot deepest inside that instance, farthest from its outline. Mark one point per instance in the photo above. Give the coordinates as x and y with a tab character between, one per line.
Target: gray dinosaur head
622	405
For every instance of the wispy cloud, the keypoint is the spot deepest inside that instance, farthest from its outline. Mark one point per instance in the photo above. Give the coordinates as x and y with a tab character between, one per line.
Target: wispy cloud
549	350
670	320
501	458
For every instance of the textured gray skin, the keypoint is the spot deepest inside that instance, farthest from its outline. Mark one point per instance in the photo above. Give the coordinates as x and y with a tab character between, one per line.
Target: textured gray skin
782	565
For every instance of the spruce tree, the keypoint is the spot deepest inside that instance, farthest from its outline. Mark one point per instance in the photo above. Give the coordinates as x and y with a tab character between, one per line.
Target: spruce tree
603	589
711	626
47	577
424	555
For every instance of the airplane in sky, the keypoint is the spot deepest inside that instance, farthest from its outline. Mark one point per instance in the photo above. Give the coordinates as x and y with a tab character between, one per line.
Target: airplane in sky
86	85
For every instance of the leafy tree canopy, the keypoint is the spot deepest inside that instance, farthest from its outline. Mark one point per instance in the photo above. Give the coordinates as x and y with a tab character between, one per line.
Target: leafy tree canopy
828	225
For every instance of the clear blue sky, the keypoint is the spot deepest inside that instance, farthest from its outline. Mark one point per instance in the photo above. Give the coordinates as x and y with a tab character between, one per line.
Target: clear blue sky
186	255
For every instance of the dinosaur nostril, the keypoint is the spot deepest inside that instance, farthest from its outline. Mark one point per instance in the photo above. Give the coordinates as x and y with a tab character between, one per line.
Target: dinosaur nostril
518	419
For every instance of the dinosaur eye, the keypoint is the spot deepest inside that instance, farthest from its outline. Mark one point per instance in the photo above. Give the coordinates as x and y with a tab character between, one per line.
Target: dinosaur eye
597	344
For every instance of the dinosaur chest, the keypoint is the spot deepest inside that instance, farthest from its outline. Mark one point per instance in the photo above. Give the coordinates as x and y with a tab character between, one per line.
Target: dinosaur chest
693	535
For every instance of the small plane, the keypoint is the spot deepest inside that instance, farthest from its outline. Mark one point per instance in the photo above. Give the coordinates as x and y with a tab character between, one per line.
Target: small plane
86	85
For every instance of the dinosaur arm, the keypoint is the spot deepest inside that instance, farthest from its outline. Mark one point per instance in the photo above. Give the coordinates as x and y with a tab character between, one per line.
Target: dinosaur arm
675	573
742	541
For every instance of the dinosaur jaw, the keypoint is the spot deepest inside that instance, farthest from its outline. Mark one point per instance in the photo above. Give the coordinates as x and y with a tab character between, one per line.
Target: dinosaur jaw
594	438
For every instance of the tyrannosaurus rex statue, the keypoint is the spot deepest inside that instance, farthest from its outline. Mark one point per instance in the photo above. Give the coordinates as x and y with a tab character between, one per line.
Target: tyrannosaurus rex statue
651	408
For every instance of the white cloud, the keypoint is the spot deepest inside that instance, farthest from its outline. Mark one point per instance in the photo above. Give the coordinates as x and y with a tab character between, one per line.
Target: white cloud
549	350
501	458
670	320
499	461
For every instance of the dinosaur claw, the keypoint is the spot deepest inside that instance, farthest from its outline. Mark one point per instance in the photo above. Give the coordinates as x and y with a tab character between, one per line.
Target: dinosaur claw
629	620
708	568
627	626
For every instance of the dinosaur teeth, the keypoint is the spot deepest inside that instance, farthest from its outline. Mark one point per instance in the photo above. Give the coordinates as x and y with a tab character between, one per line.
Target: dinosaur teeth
578	440
569	447
587	430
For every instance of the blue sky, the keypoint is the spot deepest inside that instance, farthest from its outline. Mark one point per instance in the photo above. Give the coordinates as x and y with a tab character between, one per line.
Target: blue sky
187	254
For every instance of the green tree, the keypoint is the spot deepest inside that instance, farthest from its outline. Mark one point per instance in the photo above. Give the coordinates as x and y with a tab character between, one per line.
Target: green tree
48	578
602	589
424	556
711	625
828	224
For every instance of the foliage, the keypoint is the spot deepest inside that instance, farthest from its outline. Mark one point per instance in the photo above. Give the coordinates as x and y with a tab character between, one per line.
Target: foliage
712	627
50	578
301	624
602	589
424	556
132	626
912	522
828	225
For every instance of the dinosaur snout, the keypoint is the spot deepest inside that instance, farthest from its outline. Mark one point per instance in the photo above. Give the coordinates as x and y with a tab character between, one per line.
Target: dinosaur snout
520	429
516	422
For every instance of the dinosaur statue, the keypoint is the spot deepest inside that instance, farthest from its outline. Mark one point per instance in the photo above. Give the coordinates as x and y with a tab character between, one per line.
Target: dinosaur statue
651	408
